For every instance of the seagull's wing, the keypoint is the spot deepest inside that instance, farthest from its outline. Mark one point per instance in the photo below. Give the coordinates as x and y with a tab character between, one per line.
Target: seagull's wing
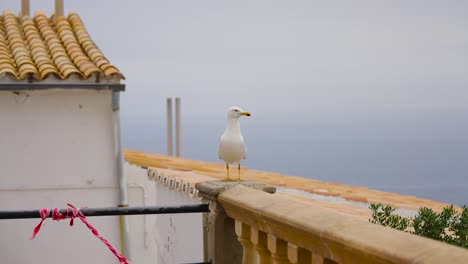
219	148
245	147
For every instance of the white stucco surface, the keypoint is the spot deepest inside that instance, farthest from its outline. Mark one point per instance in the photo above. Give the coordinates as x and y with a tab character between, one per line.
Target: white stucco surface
179	237
57	146
56	136
141	192
172	238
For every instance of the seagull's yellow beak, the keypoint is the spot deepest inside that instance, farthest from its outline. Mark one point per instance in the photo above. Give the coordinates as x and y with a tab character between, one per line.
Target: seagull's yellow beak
245	113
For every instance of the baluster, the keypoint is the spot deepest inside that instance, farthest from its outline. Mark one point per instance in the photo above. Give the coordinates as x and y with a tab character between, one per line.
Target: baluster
317	259
299	255
243	232
278	249
260	240
329	261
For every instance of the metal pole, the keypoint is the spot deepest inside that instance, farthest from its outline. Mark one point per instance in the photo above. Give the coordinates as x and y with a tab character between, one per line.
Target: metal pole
121	177
108	211
59	8
169	126
178	126
25	8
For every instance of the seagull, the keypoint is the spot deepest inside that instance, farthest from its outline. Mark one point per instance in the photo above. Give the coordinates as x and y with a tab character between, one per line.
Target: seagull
232	145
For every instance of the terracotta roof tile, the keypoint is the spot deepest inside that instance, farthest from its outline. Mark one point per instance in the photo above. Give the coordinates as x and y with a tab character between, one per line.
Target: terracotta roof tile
40	46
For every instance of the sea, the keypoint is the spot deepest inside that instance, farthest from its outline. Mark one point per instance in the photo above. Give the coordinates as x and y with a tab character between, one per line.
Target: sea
424	154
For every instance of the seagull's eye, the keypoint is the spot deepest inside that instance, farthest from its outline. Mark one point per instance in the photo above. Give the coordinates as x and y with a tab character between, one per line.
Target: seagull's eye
236	110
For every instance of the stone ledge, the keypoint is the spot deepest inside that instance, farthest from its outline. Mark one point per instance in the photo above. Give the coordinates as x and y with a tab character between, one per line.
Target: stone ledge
212	189
197	171
332	235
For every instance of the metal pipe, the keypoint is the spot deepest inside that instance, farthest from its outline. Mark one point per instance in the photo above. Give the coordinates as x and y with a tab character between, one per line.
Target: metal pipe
122	180
178	126
25	8
169	126
110	211
59	8
88	187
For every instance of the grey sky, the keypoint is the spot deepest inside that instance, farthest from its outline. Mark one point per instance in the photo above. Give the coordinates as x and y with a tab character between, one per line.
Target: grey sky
283	56
365	92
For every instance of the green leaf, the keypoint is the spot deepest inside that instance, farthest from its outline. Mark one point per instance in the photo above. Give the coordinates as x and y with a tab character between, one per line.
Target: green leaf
448	226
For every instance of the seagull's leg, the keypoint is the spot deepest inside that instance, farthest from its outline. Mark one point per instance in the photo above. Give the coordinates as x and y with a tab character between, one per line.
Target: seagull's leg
227	172
238	172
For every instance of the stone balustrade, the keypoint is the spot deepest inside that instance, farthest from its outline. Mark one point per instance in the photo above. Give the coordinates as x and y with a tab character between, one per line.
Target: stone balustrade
249	224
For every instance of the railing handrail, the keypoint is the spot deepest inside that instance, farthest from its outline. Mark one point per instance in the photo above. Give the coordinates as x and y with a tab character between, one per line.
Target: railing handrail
330	234
110	211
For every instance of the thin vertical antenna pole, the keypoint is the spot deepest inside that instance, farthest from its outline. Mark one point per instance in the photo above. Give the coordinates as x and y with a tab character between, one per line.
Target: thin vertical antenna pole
59	8
25	8
169	126
178	126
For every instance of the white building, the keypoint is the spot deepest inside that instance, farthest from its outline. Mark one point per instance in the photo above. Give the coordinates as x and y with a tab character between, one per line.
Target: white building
60	138
60	143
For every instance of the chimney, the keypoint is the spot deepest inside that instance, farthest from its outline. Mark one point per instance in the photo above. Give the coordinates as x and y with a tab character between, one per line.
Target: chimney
58	8
25	8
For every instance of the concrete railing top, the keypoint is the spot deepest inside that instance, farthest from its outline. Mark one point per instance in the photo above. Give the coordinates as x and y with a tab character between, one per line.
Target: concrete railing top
332	235
196	171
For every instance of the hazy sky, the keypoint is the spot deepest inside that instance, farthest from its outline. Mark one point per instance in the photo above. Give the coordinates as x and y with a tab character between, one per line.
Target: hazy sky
282	57
364	92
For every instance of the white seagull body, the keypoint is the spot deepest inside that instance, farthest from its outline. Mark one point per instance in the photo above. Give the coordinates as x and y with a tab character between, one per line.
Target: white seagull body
232	147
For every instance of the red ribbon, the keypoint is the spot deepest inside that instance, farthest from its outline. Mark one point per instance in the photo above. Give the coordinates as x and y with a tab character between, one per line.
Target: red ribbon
72	213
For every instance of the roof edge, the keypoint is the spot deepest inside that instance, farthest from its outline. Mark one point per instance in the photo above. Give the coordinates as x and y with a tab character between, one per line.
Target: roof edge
70	86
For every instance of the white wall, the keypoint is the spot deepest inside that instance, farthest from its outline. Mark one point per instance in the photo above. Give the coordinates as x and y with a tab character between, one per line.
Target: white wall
179	236
171	238
141	192
57	146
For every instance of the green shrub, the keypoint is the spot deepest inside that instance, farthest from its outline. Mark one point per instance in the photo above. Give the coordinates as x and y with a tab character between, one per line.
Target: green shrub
383	215
448	226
